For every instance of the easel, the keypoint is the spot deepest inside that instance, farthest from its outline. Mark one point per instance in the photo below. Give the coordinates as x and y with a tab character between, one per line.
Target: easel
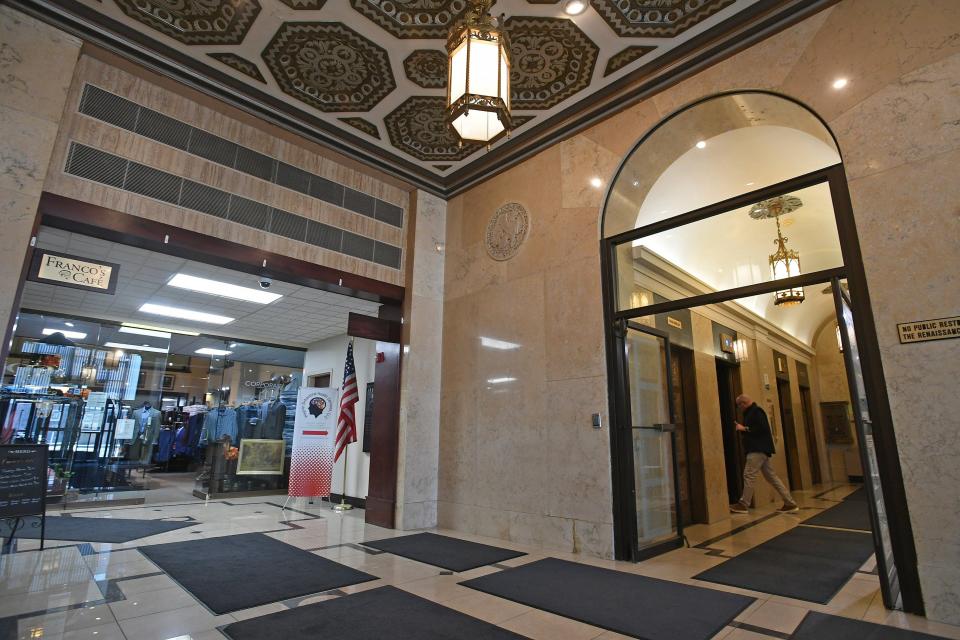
20	497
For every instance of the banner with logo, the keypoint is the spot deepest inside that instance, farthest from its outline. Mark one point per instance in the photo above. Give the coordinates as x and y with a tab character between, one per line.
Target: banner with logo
314	434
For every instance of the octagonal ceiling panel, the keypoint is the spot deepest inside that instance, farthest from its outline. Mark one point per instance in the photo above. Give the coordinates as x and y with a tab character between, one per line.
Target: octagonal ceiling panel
368	77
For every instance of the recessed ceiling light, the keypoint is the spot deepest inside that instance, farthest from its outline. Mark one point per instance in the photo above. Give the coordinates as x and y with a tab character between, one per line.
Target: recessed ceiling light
596	183
493	343
223	289
574	7
840	83
134	347
69	324
184	314
207	351
500	380
145	332
701	145
73	335
158	329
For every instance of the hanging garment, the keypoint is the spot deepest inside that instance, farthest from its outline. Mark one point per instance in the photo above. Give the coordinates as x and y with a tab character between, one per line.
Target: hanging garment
165	445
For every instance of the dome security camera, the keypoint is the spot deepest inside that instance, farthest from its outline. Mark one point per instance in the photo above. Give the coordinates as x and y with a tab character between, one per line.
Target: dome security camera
265	282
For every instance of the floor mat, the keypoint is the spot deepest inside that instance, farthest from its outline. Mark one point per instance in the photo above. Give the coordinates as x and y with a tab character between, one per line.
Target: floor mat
849	514
806	563
113	530
820	626
238	572
443	551
622	602
385	612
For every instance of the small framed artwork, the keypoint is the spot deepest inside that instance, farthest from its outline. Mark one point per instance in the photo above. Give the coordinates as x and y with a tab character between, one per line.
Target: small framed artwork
260	457
727	343
168	381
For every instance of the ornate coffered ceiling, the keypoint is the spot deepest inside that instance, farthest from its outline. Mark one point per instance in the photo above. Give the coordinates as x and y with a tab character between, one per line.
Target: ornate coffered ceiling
368	77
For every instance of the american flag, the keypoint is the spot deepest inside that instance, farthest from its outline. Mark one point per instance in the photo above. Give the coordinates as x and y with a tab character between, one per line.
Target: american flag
347	423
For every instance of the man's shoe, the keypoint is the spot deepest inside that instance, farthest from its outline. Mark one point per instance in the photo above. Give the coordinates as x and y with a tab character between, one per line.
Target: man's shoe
788	508
738	507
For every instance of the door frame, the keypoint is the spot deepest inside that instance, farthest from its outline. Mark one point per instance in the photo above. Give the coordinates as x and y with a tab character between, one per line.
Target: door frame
888	460
622	439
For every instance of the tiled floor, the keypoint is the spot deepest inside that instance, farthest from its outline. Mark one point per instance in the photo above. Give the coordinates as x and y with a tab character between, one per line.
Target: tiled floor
110	591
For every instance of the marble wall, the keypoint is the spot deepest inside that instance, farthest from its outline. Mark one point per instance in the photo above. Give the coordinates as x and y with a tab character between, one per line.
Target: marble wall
898	127
419	450
36	66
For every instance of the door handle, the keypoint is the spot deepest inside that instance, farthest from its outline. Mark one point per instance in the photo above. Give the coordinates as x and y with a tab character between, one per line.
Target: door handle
662	427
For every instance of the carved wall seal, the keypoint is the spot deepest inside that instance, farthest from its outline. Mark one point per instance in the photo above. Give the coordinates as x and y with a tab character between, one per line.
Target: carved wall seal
506	231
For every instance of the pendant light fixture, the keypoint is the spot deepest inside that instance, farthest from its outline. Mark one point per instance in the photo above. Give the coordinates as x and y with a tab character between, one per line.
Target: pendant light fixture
478	80
784	263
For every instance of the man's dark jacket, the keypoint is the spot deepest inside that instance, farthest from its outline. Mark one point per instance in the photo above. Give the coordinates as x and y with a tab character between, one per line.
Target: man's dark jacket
758	438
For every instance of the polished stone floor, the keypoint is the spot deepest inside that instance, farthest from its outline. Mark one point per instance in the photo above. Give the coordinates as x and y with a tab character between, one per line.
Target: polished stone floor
112	592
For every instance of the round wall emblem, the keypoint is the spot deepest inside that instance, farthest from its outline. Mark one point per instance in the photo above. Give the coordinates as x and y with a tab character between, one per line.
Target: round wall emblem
507	230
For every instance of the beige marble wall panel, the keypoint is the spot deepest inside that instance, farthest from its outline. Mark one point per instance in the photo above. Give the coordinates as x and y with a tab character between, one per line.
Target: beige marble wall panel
586	168
711	427
36	64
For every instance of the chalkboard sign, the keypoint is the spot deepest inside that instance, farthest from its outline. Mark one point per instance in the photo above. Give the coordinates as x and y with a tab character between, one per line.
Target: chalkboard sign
368	419
23	480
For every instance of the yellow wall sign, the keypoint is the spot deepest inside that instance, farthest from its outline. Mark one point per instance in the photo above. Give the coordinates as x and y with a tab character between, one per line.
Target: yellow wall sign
924	330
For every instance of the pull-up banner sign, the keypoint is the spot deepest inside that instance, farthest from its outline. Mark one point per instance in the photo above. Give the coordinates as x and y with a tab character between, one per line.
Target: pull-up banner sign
314	434
925	330
65	270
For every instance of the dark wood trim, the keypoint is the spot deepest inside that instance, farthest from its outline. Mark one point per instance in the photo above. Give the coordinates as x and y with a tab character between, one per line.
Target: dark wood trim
716	297
73	215
888	457
361	326
385	445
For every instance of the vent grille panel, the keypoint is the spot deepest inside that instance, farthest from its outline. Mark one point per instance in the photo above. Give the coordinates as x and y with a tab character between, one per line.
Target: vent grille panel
120	112
108	169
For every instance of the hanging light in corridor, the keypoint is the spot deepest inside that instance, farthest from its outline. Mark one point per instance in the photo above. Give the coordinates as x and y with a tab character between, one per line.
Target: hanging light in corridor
784	263
478	80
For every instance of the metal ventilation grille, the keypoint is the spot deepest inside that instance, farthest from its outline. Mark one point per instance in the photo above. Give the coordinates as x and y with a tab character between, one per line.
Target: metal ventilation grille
105	168
120	112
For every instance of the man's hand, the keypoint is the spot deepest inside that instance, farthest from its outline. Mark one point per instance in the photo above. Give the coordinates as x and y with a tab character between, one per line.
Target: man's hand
740	427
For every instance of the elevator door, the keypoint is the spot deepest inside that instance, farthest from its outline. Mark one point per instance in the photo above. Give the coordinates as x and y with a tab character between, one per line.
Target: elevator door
791	452
728	388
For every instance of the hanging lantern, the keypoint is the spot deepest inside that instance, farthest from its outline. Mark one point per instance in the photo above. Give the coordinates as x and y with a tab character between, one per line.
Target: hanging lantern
785	263
478	76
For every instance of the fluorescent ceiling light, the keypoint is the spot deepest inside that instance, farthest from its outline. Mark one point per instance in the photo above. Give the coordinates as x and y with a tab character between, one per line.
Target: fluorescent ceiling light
134	347
207	351
69	324
159	329
500	380
184	314
73	335
223	289
146	332
493	343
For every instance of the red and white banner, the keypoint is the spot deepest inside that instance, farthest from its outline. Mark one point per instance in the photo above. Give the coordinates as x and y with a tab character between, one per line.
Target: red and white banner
314	433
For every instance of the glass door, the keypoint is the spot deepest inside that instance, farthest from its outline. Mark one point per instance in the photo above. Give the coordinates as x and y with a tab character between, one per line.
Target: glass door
886	566
653	440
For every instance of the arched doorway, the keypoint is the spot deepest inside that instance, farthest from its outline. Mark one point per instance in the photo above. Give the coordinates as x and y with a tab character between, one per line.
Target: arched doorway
709	210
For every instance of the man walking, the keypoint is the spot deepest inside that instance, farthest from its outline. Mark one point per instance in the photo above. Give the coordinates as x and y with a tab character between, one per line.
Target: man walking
758	443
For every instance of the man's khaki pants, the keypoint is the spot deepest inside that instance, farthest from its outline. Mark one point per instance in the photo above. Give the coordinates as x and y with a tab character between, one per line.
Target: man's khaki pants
760	462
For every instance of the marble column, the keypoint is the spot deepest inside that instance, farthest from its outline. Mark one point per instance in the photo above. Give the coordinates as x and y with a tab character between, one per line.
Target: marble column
36	67
420	375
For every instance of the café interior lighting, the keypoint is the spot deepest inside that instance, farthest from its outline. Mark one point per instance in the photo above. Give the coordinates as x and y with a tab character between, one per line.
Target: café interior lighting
184	314
207	351
222	289
134	347
574	7
478	76
73	335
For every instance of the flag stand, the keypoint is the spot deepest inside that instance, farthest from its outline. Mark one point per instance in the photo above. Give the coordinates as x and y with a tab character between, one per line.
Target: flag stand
343	506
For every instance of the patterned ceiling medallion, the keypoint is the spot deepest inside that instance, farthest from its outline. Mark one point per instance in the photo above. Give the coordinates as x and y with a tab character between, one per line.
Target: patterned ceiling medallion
656	18
442	167
418	127
237	63
619	60
427	68
315	5
413	18
551	59
506	231
195	21
363	125
329	66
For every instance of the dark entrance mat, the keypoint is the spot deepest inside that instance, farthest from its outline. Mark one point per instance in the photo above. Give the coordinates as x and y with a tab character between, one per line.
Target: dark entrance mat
626	603
859	494
806	563
114	530
248	570
385	612
820	626
442	551
849	514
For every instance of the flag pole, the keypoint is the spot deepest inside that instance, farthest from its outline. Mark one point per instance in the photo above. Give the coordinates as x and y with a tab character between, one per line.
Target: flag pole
343	506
